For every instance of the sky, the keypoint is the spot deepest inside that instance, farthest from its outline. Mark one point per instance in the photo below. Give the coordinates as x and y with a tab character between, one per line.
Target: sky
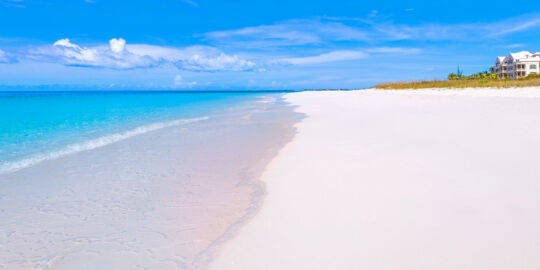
251	44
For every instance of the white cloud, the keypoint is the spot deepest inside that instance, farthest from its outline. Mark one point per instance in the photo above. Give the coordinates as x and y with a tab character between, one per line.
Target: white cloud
215	63
119	55
288	33
346	55
117	45
368	29
373	13
179	83
112	56
195	58
13	3
459	32
326	57
190	2
5	58
396	50
514	25
517	45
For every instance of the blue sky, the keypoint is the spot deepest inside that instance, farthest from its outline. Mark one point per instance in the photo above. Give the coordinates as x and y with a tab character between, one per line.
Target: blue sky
241	44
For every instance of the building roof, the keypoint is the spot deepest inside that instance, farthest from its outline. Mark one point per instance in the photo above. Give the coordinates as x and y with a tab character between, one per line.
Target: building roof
523	56
520	55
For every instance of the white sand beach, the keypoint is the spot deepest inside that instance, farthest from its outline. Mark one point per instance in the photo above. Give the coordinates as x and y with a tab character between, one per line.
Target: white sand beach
427	179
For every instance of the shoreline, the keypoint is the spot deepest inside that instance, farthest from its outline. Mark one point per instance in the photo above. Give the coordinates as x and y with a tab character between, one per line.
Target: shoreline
383	179
204	258
164	199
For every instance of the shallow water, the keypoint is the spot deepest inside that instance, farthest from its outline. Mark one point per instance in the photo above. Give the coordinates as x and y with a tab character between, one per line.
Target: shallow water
36	126
162	199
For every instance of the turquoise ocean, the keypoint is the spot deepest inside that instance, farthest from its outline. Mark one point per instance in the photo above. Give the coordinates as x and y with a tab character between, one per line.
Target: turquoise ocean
37	126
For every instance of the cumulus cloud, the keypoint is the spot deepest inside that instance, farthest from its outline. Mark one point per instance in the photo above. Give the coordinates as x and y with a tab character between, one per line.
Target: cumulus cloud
195	58
117	45
119	55
214	63
112	56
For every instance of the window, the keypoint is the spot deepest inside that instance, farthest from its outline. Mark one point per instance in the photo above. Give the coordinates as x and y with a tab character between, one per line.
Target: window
532	66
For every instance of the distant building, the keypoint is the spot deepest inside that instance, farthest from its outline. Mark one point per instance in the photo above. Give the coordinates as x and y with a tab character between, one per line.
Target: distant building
517	65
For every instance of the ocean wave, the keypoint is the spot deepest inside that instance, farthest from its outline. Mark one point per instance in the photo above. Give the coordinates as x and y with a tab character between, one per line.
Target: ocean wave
9	167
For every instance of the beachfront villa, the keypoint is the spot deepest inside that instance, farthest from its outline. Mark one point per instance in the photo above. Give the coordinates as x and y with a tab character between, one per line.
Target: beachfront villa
517	65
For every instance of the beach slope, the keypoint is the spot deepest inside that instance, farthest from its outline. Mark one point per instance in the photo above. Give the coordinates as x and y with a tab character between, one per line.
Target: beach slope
401	180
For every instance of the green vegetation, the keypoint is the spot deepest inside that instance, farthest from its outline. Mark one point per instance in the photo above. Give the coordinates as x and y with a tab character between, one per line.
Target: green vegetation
458	80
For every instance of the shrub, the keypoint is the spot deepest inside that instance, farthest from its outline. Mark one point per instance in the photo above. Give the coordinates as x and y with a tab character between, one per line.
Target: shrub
453	77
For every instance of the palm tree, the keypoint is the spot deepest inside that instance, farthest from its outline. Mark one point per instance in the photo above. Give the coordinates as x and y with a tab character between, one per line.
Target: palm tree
459	73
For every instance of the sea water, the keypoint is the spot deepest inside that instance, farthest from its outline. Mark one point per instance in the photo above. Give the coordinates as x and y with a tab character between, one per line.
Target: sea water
37	126
132	180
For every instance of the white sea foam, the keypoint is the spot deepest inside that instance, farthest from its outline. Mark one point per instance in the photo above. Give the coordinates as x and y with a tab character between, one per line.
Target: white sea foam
92	144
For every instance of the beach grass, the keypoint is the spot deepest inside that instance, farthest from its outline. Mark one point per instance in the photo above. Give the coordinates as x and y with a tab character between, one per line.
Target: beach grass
459	84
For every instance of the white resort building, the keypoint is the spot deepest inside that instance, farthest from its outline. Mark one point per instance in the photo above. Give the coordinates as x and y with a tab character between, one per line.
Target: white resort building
517	65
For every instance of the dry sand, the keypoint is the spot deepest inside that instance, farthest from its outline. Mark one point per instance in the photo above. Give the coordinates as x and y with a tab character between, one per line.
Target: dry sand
429	179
